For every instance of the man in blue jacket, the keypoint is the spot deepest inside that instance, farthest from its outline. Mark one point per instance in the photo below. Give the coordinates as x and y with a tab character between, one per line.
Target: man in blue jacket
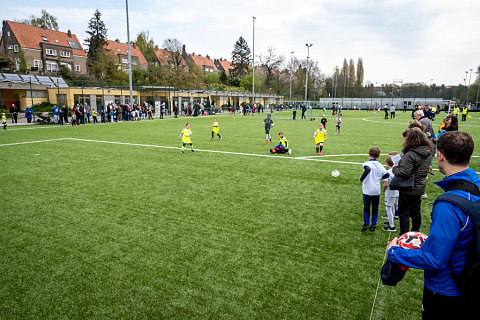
451	232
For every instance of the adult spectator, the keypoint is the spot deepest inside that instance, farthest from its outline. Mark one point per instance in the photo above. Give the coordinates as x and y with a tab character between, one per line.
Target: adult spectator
65	113
422	117
14	113
28	114
451	124
81	110
303	111
392	112
162	110
175	110
464	113
386	111
88	111
404	108
451	235
416	156
55	111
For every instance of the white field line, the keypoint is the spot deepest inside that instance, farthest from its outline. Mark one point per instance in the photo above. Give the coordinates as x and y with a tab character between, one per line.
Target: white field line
378	283
28	142
309	158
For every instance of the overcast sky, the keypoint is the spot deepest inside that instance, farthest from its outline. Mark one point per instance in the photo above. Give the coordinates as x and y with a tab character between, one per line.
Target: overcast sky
411	40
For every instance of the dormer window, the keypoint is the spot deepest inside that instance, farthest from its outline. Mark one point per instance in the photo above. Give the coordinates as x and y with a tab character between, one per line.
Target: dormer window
118	50
44	38
56	41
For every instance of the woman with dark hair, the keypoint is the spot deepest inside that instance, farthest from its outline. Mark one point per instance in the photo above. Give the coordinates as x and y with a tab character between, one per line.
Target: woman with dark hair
415	161
451	124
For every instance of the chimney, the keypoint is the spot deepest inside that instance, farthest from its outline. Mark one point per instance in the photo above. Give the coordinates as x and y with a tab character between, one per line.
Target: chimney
193	53
69	32
117	40
44	27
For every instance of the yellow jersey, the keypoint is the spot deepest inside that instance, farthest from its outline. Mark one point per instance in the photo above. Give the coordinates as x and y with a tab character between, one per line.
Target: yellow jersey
215	127
465	111
320	136
284	142
185	135
4	119
94	113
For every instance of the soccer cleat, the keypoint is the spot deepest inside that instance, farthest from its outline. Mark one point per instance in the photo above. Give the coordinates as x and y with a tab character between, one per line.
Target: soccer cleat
424	196
320	153
396	217
289	151
193	150
373	227
270	140
389	229
316	153
266	141
365	227
220	139
182	152
384	216
211	139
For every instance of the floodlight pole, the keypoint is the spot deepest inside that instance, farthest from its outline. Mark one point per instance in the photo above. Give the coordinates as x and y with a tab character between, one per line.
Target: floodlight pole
469	85
291	65
306	72
478	87
253	64
129	57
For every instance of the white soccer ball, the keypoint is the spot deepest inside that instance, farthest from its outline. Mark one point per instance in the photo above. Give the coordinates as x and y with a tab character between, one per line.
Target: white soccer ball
335	173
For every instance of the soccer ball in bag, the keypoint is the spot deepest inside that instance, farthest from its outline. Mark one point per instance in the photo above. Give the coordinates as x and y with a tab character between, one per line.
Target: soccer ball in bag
335	173
412	240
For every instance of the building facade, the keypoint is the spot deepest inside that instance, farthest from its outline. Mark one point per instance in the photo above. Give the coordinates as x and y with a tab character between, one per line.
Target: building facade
45	51
120	50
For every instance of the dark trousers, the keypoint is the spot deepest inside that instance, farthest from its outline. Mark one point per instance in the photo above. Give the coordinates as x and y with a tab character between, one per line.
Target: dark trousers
95	119
374	201
29	120
409	206
437	307
386	115
464	117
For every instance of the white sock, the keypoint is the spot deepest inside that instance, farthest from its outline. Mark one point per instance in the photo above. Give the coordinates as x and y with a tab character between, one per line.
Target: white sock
266	136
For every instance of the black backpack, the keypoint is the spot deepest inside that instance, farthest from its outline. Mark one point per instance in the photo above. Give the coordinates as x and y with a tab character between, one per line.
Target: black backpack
469	282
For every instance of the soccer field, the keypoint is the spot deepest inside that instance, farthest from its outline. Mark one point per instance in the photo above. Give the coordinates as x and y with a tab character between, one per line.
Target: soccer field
112	221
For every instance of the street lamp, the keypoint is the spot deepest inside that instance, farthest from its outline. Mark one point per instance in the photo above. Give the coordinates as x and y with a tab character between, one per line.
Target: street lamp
253	79
129	57
306	71
291	73
335	82
469	84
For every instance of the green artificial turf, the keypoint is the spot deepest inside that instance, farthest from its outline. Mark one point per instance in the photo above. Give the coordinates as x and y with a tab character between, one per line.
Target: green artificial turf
97	230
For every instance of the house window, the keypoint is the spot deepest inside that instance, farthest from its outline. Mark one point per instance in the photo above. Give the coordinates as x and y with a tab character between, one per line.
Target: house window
77	68
118	50
52	66
124	60
17	64
134	62
15	48
38	64
10	47
51	52
68	65
8	33
44	38
56	41
65	54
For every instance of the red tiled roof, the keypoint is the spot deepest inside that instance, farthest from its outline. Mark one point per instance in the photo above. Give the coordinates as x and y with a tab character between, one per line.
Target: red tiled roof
226	65
203	61
31	37
165	60
122	48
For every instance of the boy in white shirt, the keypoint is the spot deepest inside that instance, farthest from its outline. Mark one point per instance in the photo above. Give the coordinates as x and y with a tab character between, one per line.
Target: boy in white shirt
373	173
391	197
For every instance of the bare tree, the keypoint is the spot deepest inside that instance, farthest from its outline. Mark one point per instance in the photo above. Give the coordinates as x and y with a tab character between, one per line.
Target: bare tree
271	63
174	49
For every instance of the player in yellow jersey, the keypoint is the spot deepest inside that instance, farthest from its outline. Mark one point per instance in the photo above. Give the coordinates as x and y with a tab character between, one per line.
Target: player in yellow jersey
320	137
282	147
4	121
185	136
215	129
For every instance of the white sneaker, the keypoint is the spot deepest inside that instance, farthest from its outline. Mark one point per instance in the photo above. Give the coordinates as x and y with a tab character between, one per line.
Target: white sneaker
424	196
289	151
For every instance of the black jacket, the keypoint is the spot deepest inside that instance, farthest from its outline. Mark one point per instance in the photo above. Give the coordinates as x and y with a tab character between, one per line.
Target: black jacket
416	162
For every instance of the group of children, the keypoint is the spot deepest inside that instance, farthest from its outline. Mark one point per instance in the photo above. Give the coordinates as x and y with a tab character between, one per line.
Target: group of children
374	173
320	135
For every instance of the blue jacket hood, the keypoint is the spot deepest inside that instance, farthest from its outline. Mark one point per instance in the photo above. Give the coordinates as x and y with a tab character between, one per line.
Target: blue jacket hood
468	175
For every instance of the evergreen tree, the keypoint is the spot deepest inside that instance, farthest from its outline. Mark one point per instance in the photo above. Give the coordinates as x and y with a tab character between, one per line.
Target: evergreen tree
351	73
97	41
45	19
360	72
240	58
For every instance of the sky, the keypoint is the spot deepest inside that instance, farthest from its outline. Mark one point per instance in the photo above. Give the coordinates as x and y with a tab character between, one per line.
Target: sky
399	40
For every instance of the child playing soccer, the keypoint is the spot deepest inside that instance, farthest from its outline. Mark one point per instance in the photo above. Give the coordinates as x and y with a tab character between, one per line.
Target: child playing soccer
4	121
391	197
268	124
282	147
320	137
338	122
185	136
215	129
370	179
